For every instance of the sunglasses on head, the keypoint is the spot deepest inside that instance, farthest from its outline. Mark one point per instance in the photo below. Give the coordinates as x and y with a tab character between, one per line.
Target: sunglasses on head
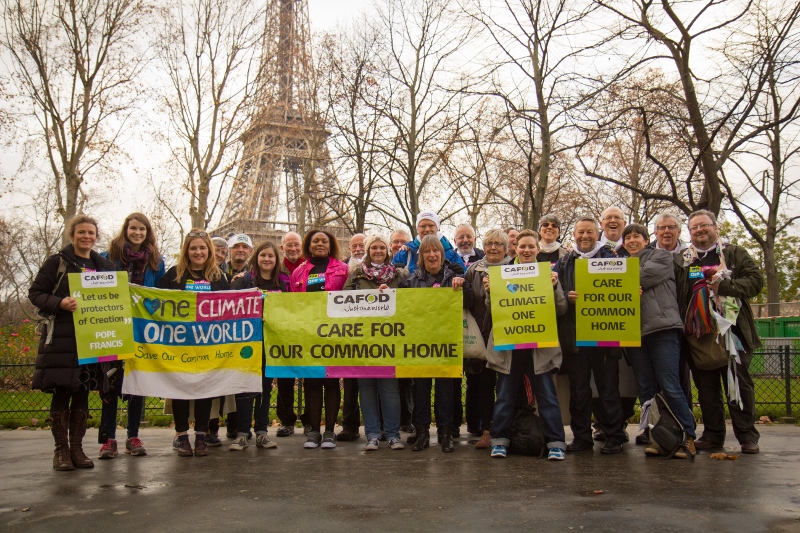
197	234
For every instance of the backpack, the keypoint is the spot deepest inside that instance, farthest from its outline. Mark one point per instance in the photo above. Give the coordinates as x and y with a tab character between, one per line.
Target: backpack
527	435
667	435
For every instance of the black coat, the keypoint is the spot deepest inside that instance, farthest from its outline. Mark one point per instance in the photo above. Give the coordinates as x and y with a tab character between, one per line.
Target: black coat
57	363
420	279
169	282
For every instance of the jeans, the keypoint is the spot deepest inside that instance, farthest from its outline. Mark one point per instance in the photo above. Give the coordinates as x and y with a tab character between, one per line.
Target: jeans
202	412
380	396
108	416
605	367
313	392
544	388
285	403
251	405
656	365
444	402
710	385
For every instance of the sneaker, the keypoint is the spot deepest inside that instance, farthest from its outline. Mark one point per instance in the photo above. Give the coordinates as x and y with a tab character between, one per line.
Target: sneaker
263	441
134	446
108	450
396	444
212	440
371	446
329	440
312	440
306	429
611	447
651	451
499	451
556	454
285	431
240	443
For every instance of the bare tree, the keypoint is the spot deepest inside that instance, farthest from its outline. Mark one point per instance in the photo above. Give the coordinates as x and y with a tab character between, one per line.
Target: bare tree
349	75
422	101
766	205
75	61
210	51
719	99
545	76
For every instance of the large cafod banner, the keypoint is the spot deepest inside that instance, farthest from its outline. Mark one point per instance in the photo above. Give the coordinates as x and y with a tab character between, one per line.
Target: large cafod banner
395	333
192	345
103	318
607	312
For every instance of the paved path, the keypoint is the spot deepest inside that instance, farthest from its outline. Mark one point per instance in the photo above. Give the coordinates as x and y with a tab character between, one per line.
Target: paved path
347	489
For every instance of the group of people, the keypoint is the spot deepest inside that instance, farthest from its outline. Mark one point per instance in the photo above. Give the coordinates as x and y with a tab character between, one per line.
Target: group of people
670	273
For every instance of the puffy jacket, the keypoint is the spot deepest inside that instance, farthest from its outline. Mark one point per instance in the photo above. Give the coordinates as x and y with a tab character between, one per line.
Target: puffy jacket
358	281
57	362
745	283
659	304
335	276
565	267
408	258
420	279
151	277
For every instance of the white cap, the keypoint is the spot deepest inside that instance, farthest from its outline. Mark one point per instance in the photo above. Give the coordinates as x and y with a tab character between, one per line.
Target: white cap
240	238
428	215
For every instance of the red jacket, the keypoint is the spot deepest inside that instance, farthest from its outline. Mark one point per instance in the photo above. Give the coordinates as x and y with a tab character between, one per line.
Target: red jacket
335	276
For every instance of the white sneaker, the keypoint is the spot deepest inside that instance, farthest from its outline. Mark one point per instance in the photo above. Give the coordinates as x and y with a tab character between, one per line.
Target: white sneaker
263	441
239	444
372	445
328	440
396	444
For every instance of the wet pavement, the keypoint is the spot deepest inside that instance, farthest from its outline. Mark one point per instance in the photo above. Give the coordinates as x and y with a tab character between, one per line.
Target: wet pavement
347	489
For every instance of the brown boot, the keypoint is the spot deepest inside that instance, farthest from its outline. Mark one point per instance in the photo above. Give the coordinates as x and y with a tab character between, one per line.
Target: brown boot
689	446
60	429
77	429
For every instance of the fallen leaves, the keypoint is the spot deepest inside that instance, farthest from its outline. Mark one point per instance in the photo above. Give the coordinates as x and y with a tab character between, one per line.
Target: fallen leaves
721	456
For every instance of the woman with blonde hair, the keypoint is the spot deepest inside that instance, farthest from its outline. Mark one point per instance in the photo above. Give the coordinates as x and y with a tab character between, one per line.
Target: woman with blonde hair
196	271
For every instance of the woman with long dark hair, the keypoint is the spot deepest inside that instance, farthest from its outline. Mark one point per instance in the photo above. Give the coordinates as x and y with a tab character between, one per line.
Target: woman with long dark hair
135	251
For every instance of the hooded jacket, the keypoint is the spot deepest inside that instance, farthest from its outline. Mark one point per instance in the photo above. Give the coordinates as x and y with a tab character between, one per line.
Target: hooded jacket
408	258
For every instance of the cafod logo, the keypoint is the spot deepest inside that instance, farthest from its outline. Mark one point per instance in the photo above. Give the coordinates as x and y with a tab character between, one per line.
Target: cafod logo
608	266
343	304
529	270
96	280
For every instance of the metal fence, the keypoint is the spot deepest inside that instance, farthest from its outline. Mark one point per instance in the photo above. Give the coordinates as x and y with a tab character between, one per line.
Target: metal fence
775	370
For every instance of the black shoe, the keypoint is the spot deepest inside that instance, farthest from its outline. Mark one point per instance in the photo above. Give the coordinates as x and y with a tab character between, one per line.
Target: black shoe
345	435
212	440
706	444
285	431
643	439
455	432
423	440
447	440
408	428
579	446
599	435
611	447
475	432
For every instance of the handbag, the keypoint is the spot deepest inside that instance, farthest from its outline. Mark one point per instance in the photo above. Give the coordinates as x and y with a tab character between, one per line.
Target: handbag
707	353
474	347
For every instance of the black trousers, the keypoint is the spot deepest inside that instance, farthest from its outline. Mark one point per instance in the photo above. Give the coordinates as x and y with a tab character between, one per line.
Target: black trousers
63	400
406	400
351	419
285	404
604	365
480	399
202	412
314	389
710	385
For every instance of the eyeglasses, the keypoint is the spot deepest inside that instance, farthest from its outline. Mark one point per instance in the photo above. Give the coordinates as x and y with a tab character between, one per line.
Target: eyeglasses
700	226
197	234
665	228
494	245
548	225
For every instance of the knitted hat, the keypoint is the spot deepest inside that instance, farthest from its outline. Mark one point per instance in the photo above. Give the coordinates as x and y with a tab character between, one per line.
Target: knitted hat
428	215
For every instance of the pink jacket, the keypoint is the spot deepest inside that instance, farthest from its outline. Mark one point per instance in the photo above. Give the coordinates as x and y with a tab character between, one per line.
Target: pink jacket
335	276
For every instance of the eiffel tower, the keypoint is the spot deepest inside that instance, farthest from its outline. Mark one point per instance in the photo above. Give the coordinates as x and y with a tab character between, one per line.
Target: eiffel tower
285	174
